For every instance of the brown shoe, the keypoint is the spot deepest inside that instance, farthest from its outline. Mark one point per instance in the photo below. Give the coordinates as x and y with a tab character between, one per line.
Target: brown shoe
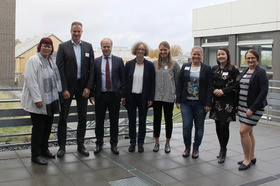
195	153
186	152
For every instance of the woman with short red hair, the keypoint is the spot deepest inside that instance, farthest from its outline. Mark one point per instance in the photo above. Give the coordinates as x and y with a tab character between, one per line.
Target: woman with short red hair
40	97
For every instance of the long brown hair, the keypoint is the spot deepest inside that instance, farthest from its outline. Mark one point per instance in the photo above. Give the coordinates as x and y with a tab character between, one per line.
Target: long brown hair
159	65
228	66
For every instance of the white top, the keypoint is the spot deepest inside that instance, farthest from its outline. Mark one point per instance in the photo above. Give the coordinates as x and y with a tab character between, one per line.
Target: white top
138	74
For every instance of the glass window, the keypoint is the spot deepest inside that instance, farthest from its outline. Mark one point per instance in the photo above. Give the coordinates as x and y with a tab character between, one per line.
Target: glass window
215	39
209	56
255	36
265	52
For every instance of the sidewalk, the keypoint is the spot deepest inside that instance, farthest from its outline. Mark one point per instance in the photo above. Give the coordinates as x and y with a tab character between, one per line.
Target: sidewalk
150	168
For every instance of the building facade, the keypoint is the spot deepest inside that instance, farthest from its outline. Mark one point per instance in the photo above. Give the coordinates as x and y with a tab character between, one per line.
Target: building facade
240	25
27	49
7	42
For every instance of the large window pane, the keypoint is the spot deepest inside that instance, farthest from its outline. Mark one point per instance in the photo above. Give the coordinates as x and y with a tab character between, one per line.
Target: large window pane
265	52
255	36
210	55
215	39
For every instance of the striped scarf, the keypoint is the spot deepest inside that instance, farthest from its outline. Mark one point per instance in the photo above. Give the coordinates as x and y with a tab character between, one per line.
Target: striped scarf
52	85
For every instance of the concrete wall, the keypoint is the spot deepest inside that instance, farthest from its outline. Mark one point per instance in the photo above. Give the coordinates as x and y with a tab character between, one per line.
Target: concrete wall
7	42
237	17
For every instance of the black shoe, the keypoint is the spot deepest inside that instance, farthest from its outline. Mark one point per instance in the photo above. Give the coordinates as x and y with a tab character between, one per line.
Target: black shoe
48	154
39	160
61	152
195	153
156	148
167	148
114	149
244	167
131	148
140	148
83	150
253	161
97	149
223	154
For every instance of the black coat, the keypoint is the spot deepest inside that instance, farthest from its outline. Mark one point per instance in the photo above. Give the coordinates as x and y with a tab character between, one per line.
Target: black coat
148	91
224	107
258	89
205	85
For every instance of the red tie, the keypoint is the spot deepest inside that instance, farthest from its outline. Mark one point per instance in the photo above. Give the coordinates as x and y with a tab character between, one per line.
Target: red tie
108	83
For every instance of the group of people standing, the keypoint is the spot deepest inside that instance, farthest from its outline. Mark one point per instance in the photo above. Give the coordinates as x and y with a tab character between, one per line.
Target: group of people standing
106	81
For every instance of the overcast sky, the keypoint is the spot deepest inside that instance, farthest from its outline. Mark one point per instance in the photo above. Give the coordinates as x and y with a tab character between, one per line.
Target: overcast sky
124	21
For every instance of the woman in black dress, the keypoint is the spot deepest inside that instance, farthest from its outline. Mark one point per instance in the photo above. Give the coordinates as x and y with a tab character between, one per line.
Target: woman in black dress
224	103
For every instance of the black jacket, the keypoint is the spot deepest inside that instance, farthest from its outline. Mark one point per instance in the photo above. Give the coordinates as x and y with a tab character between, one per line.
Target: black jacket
258	89
205	85
148	91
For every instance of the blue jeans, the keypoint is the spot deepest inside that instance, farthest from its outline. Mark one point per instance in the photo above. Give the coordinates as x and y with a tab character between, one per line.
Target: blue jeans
193	111
142	114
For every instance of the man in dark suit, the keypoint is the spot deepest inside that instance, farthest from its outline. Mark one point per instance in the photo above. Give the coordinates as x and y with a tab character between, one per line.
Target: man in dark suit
109	85
75	60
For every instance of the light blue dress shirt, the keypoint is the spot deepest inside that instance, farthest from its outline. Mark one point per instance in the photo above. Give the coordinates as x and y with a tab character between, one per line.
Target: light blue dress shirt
78	51
103	72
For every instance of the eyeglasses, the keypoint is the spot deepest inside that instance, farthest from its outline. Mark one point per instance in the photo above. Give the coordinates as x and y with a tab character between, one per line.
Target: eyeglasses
46	46
252	58
141	49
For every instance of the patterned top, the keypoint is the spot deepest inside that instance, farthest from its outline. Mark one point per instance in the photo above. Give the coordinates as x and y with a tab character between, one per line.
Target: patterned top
166	81
224	107
193	84
242	104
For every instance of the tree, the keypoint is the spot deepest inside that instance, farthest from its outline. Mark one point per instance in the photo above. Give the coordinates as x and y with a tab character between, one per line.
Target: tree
153	53
176	50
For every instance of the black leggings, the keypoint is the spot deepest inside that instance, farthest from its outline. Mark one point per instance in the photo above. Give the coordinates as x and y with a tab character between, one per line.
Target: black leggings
222	130
168	113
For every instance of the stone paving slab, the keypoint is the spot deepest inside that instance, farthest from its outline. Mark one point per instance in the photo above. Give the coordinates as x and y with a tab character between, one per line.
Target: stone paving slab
150	168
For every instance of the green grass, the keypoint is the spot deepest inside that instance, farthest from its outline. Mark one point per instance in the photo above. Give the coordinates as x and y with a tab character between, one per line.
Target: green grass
175	111
12	130
15	130
5	95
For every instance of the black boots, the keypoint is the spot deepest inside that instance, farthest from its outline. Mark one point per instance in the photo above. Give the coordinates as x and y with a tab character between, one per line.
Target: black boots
222	155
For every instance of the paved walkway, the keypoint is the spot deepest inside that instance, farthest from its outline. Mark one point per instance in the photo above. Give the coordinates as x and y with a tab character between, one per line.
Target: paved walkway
150	168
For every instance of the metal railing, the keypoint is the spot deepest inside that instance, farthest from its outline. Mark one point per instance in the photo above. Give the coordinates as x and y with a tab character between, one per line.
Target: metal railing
13	117
272	110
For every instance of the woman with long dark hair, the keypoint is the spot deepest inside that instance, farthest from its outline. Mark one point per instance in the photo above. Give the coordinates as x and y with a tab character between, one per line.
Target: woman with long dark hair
224	103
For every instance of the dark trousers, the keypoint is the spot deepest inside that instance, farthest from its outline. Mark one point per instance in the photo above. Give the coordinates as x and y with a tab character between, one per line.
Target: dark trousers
222	130
142	114
41	130
82	116
110	101
168	113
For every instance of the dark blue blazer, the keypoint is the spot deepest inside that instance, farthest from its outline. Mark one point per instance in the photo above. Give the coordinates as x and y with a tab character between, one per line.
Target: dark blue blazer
258	89
67	65
148	92
117	77
205	85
